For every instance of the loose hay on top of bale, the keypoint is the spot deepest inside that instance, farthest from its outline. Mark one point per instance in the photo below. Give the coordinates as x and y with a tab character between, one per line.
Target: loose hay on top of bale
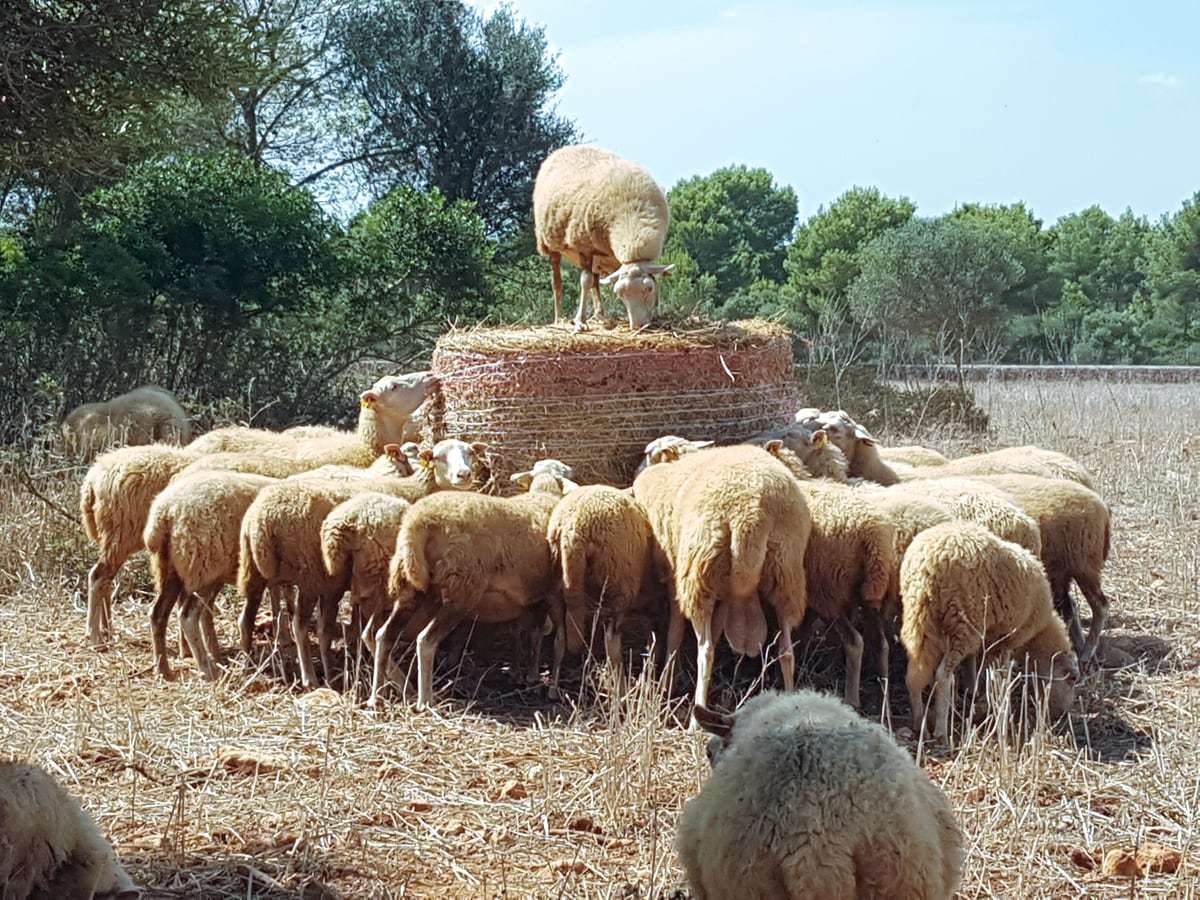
595	399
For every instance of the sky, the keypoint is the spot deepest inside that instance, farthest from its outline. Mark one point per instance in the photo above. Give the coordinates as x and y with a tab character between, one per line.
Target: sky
1061	103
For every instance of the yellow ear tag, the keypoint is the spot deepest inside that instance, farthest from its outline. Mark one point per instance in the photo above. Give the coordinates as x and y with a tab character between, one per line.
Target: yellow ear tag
425	463
364	403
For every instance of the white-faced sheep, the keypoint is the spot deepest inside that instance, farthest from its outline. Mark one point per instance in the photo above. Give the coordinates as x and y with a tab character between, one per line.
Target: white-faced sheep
968	594
670	444
114	500
807	800
50	847
145	415
850	561
819	456
466	556
858	446
281	540
384	412
607	216
731	527
192	536
601	540
1076	530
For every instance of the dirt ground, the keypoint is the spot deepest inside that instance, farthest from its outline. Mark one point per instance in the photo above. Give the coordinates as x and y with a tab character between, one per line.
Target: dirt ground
248	788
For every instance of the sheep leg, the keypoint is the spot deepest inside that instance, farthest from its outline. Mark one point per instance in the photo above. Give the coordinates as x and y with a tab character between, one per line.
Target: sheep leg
586	280
674	642
327	611
167	597
597	302
250	604
1064	605
556	281
439	626
189	625
705	651
614	654
917	679
384	639
874	619
211	642
787	655
943	693
305	602
852	643
558	621
100	588
1099	604
537	631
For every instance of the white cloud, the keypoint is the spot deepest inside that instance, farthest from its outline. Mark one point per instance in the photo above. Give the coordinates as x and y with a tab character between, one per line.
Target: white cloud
1161	79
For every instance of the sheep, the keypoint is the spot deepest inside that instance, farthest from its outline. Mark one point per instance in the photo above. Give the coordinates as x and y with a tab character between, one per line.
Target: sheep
114	500
912	455
192	535
600	538
808	800
730	527
607	216
971	500
358	538
850	560
1076	531
394	460
257	463
820	458
859	447
145	415
281	541
968	593
668	443
461	556
1027	460
384	411
50	847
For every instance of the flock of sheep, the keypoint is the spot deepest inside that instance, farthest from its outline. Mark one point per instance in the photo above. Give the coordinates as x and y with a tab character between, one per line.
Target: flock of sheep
963	562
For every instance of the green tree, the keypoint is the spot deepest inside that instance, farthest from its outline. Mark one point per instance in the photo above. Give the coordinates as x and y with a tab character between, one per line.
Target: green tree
823	260
1028	243
735	223
938	280
85	82
459	102
1172	266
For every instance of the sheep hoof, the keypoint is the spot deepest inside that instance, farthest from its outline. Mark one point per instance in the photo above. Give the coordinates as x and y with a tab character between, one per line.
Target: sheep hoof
580	325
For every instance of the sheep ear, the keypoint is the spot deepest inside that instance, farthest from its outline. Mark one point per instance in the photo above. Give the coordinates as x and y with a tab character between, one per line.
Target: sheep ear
524	479
862	434
713	722
392	451
668	454
820	437
368	397
479	447
611	279
658	270
701	445
773	446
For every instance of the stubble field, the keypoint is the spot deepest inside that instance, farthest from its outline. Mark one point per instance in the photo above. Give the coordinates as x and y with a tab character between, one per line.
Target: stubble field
247	788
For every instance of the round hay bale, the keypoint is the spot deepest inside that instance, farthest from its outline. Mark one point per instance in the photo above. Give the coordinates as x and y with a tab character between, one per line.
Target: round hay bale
594	400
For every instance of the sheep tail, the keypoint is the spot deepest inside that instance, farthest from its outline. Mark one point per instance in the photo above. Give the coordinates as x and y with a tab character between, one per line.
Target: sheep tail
254	563
1107	536
414	535
87	508
335	547
157	538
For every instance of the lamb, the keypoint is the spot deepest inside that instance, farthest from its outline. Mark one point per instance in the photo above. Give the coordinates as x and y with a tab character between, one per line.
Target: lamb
808	800
1076	530
281	541
600	538
114	500
145	415
850	561
384	412
192	535
730	527
461	556
968	593
50	847
859	447
606	215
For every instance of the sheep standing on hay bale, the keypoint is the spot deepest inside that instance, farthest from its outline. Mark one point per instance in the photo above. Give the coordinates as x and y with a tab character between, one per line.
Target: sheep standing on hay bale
731	527
808	800
607	216
50	847
145	415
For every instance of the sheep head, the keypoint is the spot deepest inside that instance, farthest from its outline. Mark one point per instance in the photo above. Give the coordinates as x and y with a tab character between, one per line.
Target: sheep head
844	431
454	463
636	283
400	395
668	448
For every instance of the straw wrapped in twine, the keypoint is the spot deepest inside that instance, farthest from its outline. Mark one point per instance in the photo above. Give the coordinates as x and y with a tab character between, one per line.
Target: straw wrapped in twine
594	400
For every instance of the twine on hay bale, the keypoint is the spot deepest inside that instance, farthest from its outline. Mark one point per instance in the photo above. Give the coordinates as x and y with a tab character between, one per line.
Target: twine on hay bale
594	400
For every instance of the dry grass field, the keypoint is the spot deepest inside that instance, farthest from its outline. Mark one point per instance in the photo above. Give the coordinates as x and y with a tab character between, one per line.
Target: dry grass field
247	788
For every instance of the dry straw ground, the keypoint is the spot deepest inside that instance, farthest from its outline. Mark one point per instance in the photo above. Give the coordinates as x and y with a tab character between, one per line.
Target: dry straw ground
247	789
